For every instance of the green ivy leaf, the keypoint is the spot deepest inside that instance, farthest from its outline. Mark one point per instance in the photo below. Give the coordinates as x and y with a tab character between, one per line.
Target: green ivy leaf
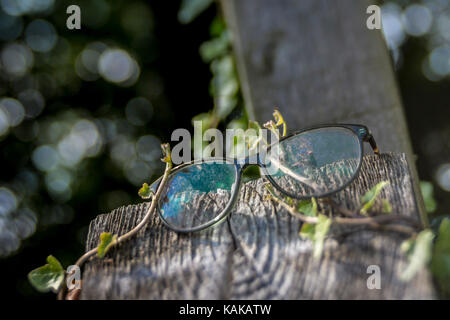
240	123
419	254
280	121
206	120
253	136
307	231
48	277
254	125
308	207
106	242
387	208
165	147
426	189
368	199
217	27
407	246
215	48
316	233
440	263
145	192
224	85
190	9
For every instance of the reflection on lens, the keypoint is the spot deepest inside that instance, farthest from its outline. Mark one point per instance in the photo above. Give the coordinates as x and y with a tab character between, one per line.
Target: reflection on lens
197	194
315	162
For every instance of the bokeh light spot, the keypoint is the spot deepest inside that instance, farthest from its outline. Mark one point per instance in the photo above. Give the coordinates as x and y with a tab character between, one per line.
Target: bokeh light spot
139	111
392	25
4	123
443	176
8	202
440	60
11	7
41	36
122	150
35	6
149	148
33	102
116	65
17	59
10	27
14	111
24	223
58	183
417	20
137	171
45	158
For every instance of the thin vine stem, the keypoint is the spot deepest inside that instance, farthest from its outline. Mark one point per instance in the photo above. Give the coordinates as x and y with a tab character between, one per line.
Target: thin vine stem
141	224
375	222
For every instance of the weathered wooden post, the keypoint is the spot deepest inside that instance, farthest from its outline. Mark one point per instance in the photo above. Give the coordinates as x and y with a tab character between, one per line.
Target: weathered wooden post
317	62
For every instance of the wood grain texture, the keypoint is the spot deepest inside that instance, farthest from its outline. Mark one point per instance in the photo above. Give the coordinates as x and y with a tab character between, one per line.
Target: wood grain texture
257	253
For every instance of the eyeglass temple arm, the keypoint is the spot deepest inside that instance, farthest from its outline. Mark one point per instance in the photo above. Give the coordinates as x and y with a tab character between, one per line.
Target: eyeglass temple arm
369	138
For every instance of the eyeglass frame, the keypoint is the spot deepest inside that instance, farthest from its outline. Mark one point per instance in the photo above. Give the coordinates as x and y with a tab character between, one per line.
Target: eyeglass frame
360	131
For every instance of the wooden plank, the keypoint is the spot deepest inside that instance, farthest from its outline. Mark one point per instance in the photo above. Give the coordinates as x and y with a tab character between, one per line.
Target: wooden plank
257	253
318	63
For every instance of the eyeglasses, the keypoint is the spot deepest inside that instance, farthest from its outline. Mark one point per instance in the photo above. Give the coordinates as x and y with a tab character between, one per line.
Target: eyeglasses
314	162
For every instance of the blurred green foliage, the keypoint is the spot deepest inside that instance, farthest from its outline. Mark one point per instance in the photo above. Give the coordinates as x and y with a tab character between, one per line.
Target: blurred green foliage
83	114
440	265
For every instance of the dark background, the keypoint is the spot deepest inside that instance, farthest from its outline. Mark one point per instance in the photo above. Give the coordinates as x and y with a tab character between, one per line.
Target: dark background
49	215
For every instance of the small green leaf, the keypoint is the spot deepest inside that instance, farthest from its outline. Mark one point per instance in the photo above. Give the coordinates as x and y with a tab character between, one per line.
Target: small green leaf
308	207
317	233
224	85
166	153
190	9
270	125
48	277
254	125
280	121
407	246
239	123
217	27
387	208
254	137
145	192
440	263
368	199
420	254
215	48
107	240
307	231
427	193
206	120
289	201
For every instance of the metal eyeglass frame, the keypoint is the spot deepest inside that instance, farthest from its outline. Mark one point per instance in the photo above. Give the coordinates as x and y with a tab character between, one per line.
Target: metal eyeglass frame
360	131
